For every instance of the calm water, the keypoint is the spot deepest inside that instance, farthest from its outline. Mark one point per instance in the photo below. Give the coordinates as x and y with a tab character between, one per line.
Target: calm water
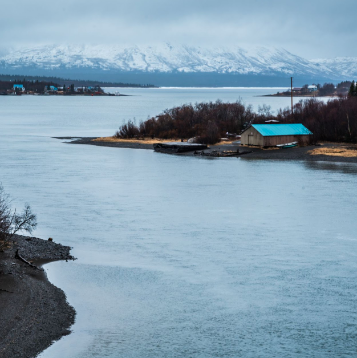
184	257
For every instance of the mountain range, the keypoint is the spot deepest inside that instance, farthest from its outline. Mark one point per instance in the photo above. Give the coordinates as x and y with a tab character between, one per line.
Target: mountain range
169	65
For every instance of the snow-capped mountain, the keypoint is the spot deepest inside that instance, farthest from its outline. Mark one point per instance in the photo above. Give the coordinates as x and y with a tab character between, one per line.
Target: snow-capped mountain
171	60
164	58
345	66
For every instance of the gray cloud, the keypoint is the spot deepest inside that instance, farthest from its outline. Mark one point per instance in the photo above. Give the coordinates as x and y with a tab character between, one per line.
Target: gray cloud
313	28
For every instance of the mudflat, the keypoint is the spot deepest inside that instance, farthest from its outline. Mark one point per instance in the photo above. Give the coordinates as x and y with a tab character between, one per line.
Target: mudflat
33	312
326	152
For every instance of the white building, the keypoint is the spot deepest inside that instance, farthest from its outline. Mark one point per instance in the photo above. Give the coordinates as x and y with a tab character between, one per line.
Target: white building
312	88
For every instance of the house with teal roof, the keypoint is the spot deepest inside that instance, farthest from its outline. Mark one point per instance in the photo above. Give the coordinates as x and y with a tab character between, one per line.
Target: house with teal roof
18	87
271	135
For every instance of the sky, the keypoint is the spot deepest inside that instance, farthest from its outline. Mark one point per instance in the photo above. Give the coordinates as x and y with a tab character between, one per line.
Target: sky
309	28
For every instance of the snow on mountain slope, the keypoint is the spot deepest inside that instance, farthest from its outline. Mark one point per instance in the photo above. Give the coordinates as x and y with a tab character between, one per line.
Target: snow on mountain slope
346	66
166	58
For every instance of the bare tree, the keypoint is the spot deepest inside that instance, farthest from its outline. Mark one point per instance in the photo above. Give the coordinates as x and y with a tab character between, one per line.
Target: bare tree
127	130
264	110
211	134
11	222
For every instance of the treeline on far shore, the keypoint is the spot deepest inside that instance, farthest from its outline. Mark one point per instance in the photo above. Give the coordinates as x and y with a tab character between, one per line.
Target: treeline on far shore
62	81
335	120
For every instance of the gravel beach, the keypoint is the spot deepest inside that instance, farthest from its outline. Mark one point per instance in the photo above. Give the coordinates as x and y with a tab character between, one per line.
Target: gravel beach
33	312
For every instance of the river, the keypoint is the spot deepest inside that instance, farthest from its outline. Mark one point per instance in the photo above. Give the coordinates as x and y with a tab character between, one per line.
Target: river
184	256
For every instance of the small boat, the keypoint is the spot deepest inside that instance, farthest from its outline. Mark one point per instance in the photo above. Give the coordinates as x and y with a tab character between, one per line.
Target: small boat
178	147
287	145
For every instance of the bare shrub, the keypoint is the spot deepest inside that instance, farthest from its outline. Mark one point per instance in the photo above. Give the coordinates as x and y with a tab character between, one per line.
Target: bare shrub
190	120
127	130
335	120
211	134
11	222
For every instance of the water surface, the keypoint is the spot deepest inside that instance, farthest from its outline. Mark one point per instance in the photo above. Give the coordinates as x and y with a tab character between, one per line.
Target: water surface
181	256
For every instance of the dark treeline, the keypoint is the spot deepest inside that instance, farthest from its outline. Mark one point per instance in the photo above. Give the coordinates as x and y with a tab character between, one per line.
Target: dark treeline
335	120
329	89
353	89
207	121
61	81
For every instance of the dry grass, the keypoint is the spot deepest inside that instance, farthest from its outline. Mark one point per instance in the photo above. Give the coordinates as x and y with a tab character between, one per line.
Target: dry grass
4	245
146	140
340	151
223	142
142	141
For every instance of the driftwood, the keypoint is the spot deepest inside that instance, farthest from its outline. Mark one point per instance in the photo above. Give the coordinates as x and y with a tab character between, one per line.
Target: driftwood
223	154
18	256
178	147
246	152
1	289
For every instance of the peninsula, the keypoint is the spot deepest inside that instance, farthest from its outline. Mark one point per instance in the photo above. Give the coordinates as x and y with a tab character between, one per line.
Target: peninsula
317	90
11	85
332	128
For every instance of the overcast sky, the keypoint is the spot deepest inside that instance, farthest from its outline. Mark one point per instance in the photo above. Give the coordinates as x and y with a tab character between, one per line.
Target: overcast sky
309	28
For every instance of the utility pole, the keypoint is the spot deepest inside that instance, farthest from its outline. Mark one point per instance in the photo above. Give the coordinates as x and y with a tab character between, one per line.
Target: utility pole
292	108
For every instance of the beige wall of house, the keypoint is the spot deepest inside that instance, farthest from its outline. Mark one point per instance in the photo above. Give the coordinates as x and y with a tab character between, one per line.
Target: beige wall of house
252	137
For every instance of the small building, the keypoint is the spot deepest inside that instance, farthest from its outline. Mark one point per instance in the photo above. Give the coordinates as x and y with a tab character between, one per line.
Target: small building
312	88
297	89
51	88
18	88
270	135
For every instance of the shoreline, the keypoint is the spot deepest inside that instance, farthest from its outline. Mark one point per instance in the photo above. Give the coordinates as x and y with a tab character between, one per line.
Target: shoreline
68	95
300	95
310	153
33	312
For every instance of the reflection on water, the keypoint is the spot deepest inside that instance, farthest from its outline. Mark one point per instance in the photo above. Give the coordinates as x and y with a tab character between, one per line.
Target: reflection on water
179	257
349	168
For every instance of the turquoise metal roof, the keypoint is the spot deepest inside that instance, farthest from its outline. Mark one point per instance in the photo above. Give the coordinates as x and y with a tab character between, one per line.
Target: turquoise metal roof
268	130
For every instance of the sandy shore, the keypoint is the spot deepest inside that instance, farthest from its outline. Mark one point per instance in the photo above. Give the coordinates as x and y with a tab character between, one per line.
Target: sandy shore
326	152
33	312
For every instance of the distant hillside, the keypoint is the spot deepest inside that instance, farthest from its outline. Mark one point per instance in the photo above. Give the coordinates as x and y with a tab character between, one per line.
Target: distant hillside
167	65
345	66
174	79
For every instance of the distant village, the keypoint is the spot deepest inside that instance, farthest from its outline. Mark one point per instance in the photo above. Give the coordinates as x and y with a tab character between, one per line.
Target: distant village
48	88
316	90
